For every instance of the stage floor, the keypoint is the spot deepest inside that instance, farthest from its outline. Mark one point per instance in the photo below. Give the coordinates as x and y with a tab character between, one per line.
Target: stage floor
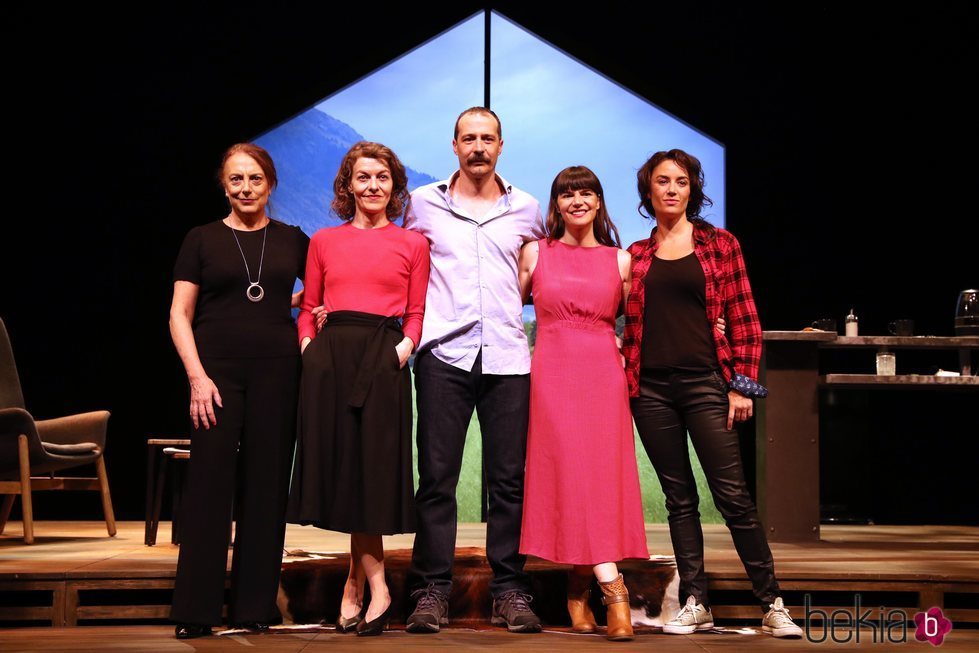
92	580
159	639
882	552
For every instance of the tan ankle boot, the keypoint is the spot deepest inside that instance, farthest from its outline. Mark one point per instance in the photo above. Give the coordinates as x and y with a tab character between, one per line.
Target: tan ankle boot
579	590
616	599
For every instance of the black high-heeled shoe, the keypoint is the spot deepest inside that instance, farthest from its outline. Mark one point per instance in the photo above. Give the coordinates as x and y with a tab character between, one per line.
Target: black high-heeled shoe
377	626
191	631
345	625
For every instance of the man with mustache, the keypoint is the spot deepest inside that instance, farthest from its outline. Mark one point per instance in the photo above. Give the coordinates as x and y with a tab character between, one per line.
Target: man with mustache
473	354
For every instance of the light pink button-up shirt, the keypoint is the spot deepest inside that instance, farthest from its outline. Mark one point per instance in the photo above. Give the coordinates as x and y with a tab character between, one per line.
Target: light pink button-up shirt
473	297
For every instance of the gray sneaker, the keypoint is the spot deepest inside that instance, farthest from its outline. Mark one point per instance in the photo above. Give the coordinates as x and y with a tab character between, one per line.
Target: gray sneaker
778	623
512	609
693	616
431	611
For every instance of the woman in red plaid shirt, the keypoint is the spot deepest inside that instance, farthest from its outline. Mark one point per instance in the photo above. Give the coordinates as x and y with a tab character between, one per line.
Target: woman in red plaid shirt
685	376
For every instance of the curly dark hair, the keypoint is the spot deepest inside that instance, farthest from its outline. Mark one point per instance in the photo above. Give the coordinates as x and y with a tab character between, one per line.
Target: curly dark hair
579	178
344	204
691	165
261	156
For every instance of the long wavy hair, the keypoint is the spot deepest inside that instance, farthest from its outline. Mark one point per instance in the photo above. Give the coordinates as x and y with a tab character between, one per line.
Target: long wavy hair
345	205
580	178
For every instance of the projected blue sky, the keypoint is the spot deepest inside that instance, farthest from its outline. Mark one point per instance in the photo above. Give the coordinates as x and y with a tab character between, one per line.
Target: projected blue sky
411	104
555	111
558	112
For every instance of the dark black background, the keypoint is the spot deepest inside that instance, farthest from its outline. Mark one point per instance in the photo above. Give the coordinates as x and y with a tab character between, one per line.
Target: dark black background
850	159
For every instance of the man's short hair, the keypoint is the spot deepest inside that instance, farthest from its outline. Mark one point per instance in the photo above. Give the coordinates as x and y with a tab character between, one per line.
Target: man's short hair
479	110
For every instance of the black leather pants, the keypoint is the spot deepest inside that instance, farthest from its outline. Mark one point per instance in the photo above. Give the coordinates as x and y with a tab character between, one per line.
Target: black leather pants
671	404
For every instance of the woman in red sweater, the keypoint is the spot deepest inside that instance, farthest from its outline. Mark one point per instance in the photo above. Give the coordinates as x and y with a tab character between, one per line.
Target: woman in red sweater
353	470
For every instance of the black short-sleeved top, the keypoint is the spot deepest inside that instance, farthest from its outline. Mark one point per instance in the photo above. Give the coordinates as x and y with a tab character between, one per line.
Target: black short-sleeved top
226	324
676	333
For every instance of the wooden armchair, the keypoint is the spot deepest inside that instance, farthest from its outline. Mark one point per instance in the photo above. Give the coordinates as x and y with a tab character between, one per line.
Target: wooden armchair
31	451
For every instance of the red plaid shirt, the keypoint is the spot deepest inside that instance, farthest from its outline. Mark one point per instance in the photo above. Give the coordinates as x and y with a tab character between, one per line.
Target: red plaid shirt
728	296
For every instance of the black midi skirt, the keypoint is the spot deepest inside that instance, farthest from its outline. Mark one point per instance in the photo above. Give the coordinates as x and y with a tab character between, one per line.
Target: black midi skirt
353	470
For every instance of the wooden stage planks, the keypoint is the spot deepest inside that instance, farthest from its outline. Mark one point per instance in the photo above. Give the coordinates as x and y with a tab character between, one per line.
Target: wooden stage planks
159	639
73	572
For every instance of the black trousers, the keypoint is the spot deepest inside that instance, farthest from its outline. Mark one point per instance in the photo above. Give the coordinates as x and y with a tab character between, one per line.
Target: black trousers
446	396
246	457
669	405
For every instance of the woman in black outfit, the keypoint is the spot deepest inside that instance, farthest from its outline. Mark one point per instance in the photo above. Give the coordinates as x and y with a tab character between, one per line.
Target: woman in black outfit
232	326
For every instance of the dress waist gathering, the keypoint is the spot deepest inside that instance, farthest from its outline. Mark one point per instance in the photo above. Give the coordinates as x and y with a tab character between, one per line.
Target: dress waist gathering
582	325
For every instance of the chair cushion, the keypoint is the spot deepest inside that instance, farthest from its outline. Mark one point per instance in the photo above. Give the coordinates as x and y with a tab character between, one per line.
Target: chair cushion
78	449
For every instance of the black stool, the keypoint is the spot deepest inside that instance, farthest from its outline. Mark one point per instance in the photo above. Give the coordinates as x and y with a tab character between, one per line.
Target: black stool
159	451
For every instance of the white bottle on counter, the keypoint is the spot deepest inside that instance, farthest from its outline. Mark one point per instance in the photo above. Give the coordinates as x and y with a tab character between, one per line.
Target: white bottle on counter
851	324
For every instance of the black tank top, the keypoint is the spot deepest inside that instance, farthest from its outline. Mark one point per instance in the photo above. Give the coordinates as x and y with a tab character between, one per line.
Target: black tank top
676	334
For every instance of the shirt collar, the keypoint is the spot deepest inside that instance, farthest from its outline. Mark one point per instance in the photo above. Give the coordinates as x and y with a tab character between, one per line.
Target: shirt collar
446	184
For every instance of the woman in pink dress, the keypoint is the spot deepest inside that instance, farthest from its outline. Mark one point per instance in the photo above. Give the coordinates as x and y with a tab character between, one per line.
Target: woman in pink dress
582	502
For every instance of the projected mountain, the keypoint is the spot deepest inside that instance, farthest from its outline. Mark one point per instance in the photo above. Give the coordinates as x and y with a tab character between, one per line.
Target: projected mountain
307	151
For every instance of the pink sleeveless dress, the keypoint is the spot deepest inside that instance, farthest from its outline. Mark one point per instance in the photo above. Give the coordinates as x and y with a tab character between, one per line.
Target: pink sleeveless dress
582	502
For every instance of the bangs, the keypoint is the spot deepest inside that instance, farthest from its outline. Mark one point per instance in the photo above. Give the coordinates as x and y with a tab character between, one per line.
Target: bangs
575	178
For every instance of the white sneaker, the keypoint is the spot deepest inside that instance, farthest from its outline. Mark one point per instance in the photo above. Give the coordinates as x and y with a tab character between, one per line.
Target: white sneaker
778	623
693	616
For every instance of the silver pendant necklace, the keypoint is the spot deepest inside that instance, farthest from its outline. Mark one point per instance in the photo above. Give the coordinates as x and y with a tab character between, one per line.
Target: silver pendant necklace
254	292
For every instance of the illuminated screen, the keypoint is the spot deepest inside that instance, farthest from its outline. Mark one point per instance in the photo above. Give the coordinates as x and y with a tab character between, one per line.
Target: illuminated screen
555	112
